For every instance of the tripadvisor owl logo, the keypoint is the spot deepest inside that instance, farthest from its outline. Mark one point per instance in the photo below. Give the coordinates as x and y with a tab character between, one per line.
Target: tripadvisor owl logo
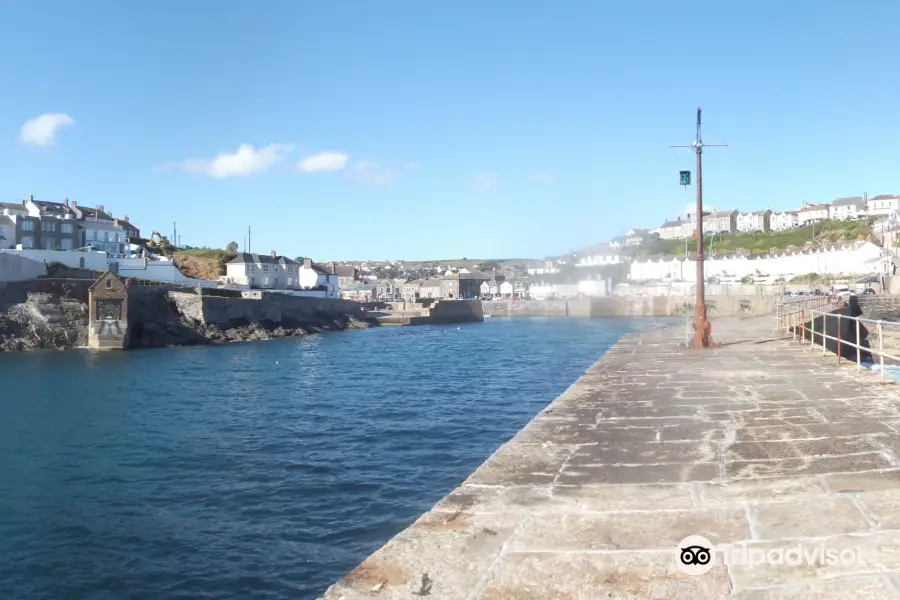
694	555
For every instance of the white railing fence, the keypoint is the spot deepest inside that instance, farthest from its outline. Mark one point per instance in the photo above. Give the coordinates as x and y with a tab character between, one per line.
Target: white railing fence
799	319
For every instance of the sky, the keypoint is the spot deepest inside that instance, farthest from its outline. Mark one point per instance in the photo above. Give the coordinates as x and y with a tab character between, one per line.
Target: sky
403	129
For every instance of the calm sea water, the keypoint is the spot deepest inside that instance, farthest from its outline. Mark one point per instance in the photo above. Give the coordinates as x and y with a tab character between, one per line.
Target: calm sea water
263	470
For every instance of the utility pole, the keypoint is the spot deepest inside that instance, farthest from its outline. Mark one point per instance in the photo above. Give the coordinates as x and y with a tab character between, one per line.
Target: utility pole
174	234
248	238
701	324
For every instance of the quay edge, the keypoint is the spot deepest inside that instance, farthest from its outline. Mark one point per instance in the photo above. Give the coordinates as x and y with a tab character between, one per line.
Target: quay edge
756	445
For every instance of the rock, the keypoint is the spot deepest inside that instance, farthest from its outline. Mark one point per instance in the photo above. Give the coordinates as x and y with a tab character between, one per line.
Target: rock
44	321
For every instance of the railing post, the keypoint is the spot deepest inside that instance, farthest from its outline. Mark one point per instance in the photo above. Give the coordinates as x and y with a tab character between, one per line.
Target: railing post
802	327
824	329
881	348
839	337
858	348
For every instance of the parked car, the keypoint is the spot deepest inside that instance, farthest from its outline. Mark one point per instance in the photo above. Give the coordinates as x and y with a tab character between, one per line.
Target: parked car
841	291
869	292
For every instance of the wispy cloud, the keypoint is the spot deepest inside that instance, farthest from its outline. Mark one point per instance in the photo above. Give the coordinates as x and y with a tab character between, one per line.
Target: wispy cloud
42	130
324	162
246	160
369	172
482	181
544	177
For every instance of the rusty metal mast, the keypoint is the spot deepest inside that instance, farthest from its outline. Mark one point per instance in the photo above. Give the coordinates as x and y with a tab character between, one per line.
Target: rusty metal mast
701	323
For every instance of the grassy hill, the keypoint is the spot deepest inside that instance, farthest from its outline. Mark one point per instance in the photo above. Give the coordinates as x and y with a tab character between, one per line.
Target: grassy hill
203	263
826	232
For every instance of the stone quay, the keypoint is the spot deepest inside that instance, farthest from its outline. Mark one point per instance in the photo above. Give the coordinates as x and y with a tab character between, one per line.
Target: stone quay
759	446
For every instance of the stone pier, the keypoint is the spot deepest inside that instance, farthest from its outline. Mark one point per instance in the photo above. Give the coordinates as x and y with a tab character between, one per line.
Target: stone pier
757	446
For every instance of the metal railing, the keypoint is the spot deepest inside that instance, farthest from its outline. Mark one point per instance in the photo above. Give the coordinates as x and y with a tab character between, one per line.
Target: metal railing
790	313
798	317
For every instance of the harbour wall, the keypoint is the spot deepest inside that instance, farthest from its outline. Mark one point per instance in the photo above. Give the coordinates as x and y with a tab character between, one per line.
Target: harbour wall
631	306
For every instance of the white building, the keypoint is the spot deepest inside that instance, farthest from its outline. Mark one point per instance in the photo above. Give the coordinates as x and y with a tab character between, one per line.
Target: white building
759	220
313	276
813	213
852	258
883	204
261	271
782	220
844	209
675	230
720	221
597	258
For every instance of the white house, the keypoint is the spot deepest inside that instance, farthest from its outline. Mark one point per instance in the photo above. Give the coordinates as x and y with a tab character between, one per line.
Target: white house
847	208
596	258
782	220
852	258
720	221
758	220
312	276
675	230
813	213
883	204
261	271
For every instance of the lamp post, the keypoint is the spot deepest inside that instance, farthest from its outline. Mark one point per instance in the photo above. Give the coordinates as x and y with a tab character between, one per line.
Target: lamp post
701	323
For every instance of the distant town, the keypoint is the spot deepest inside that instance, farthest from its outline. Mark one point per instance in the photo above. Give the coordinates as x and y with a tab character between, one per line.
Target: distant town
849	237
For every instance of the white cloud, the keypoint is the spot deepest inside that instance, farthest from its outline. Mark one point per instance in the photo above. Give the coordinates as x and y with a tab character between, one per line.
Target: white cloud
246	160
372	173
482	181
324	161
544	177
40	131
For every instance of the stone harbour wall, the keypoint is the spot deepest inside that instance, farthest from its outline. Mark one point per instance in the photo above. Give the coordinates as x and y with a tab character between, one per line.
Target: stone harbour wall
631	306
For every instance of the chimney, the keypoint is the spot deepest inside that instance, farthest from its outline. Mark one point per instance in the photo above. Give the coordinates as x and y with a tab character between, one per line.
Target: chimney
30	197
307	263
126	219
74	203
100	208
66	202
116	222
274	254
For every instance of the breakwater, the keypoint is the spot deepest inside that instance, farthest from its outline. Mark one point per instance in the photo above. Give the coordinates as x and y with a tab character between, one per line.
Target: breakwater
630	306
756	446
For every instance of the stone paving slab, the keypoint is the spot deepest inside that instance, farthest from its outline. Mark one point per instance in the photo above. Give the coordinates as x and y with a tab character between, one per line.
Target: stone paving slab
762	446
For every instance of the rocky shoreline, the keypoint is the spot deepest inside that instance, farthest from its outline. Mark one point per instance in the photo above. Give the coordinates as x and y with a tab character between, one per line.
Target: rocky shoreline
49	322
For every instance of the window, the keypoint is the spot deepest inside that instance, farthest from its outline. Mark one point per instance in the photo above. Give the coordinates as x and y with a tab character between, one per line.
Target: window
27	225
290	269
66	228
94	234
109	284
105	236
276	282
117	237
27	241
48	226
266	269
67	243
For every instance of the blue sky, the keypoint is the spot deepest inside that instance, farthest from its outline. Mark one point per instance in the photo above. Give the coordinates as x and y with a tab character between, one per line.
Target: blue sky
437	130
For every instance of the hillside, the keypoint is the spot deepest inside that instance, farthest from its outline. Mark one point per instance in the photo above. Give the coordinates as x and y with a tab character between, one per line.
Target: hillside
826	232
205	264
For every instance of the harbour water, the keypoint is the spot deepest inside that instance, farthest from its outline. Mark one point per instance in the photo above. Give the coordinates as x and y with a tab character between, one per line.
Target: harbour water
263	470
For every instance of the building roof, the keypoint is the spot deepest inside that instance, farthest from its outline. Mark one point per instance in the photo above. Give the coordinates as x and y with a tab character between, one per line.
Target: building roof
467	274
668	224
721	213
785	212
431	283
359	287
856	200
13	206
346	271
809	207
884	197
253	258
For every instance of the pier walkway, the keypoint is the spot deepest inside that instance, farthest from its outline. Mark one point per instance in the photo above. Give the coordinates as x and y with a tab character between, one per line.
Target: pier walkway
758	445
